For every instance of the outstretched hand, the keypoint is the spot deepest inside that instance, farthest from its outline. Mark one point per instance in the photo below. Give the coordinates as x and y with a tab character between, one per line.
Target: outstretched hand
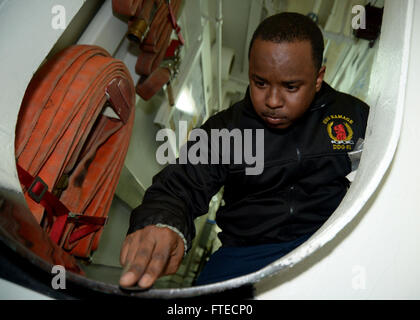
148	254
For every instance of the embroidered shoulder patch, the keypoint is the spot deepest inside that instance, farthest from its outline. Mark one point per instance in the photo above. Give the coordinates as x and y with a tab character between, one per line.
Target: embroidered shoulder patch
340	131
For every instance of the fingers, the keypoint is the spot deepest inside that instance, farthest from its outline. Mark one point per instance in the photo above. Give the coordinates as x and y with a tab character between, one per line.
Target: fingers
124	251
137	260
148	254
176	259
129	247
156	266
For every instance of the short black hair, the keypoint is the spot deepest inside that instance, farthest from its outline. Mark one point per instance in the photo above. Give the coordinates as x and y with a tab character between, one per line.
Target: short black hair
291	27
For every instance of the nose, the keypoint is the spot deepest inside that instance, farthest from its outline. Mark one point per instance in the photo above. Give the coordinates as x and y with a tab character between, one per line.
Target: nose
274	98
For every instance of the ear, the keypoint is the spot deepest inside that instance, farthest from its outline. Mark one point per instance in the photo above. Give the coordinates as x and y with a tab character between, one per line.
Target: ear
320	78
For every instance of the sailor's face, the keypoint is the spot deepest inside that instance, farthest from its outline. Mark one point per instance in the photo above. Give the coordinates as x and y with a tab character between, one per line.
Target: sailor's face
283	80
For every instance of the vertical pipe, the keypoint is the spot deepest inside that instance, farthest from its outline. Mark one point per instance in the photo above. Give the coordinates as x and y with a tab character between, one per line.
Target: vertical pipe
219	24
317	7
254	18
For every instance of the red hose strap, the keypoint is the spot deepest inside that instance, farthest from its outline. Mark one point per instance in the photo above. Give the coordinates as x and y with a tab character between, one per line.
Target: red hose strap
175	25
37	189
82	232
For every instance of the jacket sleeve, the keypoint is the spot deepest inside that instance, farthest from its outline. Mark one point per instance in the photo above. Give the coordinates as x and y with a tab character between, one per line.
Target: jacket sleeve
178	194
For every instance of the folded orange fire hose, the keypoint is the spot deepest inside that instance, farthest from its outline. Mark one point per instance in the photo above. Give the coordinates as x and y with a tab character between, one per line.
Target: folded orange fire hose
70	147
127	7
157	61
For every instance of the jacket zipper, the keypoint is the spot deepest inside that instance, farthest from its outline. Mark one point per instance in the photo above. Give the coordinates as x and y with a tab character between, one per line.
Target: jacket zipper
292	187
298	155
291	208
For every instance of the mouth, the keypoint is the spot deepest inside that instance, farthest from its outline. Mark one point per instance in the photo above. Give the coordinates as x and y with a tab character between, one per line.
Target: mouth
275	121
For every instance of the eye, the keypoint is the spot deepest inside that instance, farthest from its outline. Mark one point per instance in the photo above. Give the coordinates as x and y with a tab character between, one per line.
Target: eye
260	83
291	88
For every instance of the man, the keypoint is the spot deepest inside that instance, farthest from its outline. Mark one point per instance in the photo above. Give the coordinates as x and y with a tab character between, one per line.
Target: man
308	130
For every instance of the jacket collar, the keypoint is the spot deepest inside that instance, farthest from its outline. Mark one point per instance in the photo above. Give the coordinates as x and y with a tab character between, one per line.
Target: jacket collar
323	97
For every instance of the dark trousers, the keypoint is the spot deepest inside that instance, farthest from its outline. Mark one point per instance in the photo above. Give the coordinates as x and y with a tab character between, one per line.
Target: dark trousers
231	262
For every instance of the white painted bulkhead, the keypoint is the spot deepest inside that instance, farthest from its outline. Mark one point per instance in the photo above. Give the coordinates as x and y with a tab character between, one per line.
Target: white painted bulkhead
367	250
